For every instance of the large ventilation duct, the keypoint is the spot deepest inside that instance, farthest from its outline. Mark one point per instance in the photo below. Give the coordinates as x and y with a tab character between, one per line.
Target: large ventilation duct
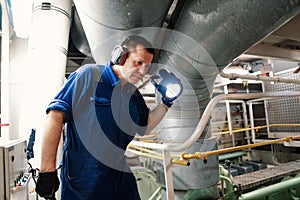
102	19
207	36
227	28
215	32
78	35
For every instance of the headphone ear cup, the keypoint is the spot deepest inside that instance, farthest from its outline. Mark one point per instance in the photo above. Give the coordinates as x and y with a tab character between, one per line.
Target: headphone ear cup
123	58
118	55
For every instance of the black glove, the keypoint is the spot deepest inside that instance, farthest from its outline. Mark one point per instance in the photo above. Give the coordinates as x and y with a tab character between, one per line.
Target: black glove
47	184
168	102
166	78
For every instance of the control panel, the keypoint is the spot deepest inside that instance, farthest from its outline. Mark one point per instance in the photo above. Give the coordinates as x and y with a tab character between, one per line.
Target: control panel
13	170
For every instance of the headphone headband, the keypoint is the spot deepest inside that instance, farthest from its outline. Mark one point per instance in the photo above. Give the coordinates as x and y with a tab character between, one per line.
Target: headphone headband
120	52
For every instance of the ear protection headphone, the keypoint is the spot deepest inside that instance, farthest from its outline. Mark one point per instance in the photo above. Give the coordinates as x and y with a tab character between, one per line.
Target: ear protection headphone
120	53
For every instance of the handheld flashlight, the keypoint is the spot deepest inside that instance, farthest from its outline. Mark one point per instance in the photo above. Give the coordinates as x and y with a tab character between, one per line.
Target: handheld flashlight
169	86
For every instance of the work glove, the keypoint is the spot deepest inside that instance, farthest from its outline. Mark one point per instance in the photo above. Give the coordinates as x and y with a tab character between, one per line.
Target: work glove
47	184
167	78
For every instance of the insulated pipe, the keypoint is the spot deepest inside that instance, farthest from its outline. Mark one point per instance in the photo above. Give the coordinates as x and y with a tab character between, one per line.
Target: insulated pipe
5	94
45	67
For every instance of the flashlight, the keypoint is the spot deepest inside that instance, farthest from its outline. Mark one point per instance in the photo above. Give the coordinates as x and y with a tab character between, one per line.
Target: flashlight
169	86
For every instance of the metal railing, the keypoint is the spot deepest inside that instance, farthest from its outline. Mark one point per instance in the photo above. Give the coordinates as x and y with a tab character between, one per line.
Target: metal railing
168	147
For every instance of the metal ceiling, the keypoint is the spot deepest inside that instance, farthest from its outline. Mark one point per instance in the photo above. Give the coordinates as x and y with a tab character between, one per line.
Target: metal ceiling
283	43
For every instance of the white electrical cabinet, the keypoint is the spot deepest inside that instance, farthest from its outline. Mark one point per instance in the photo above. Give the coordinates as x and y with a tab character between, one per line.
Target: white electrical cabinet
13	170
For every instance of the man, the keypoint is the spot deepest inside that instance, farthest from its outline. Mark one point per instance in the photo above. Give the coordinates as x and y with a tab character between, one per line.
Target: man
103	111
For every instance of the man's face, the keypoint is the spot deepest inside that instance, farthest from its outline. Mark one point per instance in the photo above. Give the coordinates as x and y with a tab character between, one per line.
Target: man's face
136	65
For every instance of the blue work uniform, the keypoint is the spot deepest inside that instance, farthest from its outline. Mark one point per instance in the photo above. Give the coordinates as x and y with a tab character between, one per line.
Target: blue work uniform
102	117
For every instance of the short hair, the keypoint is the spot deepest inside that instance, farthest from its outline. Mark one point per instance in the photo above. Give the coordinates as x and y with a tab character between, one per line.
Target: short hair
130	43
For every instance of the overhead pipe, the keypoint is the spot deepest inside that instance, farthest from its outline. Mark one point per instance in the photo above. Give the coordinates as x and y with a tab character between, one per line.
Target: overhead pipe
233	76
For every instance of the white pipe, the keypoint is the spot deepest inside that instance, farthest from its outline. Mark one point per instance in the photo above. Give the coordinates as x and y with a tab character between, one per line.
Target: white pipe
207	113
5	72
258	78
46	60
46	66
206	116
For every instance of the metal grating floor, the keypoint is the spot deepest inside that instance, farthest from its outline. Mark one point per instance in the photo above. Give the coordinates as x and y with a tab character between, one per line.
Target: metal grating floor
270	175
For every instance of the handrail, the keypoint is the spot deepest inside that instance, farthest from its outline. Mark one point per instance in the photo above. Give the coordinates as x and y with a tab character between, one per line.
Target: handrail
206	116
167	148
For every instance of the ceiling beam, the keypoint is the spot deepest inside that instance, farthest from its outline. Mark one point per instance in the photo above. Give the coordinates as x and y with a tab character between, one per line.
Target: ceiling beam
291	30
267	50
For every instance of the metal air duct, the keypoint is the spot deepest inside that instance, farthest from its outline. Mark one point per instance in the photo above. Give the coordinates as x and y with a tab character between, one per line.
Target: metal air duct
207	36
215	32
103	19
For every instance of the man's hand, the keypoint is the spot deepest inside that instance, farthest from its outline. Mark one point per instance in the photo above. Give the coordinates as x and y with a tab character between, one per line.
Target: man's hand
170	87
47	184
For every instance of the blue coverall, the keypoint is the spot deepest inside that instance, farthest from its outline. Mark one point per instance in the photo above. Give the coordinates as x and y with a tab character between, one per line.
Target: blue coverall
101	119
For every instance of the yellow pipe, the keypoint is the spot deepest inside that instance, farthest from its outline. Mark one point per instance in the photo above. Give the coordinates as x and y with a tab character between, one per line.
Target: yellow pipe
182	162
257	127
145	154
153	154
205	155
144	149
185	157
151	151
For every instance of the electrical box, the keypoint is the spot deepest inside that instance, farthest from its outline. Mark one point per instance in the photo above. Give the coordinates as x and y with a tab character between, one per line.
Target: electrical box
13	170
